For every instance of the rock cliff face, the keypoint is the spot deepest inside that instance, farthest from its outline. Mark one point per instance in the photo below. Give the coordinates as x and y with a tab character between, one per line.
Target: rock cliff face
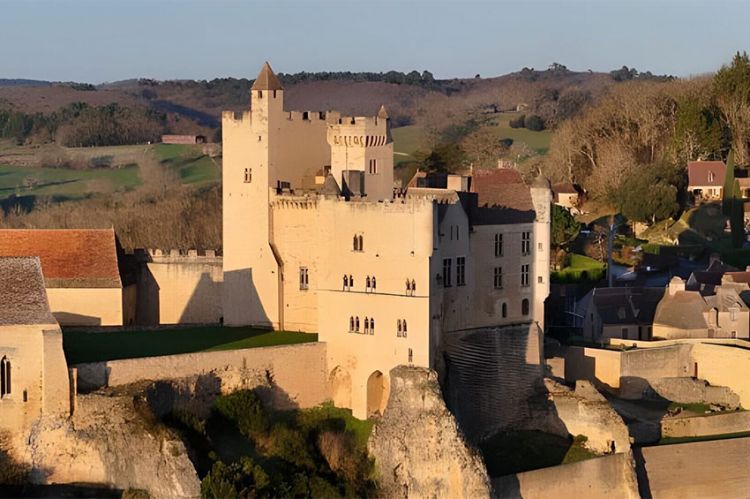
115	440
418	448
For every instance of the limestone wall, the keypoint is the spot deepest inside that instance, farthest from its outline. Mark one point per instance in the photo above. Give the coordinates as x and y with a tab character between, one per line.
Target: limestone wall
724	366
87	306
180	289
698	469
669	362
715	424
601	367
299	371
610	476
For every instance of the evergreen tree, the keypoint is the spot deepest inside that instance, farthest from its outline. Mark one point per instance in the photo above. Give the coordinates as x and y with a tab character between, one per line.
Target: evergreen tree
737	218
727	192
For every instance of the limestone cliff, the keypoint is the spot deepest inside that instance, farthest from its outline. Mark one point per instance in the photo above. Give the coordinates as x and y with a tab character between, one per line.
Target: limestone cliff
112	439
418	448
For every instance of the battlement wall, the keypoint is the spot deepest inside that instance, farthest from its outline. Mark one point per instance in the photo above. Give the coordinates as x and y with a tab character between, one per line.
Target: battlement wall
232	117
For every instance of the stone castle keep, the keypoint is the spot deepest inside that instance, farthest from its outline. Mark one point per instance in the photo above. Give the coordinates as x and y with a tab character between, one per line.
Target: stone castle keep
316	238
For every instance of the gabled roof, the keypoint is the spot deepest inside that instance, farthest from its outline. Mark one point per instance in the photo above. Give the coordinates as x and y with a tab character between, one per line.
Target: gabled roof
502	197
23	297
564	188
710	173
682	310
627	305
70	258
267	79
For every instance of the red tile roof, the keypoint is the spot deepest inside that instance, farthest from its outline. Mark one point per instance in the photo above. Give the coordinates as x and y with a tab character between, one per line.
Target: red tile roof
709	173
70	258
502	197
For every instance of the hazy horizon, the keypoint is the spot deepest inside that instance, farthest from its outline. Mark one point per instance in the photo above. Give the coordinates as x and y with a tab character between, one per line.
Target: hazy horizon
107	41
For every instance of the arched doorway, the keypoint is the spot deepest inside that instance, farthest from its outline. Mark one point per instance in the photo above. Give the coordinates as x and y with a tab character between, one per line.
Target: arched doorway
341	387
376	394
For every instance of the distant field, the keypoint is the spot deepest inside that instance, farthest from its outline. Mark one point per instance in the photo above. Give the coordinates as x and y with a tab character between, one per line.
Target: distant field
32	171
193	166
64	183
406	141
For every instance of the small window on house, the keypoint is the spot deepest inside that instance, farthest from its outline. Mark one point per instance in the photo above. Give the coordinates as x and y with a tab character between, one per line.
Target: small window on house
525	275
539	246
446	272
367	325
399	332
4	377
248	175
260	94
540	279
498	278
498	245
305	115
624	332
525	307
260	138
504	310
274	94
303	278
460	270
525	243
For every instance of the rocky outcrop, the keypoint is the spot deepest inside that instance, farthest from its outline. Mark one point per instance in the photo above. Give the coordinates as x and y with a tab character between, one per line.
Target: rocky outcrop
112	439
418	448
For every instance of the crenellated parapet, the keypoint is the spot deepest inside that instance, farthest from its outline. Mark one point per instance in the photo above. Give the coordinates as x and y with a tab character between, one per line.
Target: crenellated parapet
359	131
177	255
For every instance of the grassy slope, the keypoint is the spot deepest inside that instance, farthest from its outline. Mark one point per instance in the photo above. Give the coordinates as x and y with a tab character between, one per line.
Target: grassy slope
83	346
189	161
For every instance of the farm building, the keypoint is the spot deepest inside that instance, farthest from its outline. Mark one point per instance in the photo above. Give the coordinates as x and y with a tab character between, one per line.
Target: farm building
183	139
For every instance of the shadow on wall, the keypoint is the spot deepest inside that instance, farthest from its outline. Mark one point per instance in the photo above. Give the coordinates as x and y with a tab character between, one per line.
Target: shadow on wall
147	301
71	319
239	283
204	305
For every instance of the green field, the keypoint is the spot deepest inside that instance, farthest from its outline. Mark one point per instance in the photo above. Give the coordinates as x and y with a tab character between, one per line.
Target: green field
406	141
538	141
192	165
65	183
579	268
83	346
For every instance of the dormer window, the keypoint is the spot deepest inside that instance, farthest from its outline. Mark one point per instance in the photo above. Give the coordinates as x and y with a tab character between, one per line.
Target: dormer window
710	176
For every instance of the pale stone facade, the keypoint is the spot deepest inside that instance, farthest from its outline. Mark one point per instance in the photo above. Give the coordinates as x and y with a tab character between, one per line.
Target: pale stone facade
316	239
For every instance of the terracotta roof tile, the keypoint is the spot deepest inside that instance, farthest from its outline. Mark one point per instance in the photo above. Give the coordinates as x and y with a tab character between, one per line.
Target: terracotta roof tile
502	197
70	258
709	173
23	298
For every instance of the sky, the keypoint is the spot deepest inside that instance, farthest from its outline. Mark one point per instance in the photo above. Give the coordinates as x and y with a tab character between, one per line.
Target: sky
107	40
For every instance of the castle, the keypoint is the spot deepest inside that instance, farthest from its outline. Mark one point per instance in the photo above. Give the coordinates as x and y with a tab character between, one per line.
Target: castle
317	239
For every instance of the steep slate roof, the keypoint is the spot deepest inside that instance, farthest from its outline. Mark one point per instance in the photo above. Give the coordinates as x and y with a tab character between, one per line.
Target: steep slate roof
627	305
70	258
23	297
267	79
502	198
698	173
682	310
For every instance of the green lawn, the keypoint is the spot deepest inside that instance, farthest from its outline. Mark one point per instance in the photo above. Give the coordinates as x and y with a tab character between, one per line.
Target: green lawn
65	183
538	141
580	268
82	346
406	141
192	165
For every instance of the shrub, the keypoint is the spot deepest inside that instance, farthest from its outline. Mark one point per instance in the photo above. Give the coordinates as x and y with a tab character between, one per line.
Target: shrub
245	408
534	123
518	122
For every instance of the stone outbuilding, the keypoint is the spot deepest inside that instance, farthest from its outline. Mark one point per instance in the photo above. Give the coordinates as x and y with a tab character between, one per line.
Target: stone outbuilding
82	273
33	372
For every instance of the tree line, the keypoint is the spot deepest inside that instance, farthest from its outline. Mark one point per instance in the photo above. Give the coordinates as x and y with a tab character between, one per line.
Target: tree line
82	125
630	149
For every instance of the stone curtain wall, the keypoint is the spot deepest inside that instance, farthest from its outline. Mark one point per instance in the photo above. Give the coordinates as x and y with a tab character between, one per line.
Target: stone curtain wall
725	366
610	476
715	424
296	372
490	377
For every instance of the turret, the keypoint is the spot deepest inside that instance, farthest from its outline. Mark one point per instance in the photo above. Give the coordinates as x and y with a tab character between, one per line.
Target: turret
541	197
266	96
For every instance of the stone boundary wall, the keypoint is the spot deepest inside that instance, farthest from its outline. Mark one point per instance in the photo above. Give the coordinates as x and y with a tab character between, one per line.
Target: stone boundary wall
601	367
698	426
299	371
609	476
679	341
723	365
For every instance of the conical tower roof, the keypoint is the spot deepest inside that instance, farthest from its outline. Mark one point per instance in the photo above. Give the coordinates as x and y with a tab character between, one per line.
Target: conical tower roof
382	113
267	79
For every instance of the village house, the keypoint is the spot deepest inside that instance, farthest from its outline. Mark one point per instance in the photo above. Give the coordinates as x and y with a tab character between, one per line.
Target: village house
626	313
706	180
567	195
33	372
317	238
83	273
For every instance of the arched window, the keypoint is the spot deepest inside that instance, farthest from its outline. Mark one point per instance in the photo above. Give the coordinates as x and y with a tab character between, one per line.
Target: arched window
351	324
354	244
372	326
367	283
4	377
408	287
403	323
361	246
374	284
351	281
398	326
505	310
413	286
356	324
346	281
411	356
367	325
525	307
